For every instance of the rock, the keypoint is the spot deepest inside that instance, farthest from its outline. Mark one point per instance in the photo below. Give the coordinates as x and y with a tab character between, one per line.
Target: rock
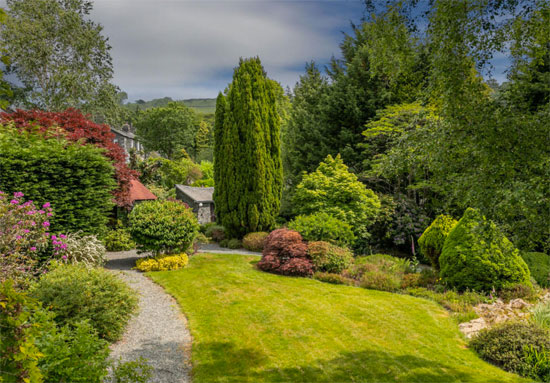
471	328
518	304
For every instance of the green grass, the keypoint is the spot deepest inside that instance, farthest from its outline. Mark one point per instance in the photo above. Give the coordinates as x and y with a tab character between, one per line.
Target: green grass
248	325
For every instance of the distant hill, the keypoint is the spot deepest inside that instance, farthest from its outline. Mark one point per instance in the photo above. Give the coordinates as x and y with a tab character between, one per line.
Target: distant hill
201	105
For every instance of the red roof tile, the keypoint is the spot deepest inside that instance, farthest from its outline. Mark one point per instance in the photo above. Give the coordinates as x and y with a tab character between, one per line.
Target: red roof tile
138	192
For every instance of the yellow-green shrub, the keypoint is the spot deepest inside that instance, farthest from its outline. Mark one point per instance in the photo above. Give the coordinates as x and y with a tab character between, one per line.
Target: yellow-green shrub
162	263
432	240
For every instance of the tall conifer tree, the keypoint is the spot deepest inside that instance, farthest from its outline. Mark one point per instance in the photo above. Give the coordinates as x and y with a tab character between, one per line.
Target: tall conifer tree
219	189
248	162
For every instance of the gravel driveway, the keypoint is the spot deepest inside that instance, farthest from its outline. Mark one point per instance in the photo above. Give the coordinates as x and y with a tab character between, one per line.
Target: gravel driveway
158	332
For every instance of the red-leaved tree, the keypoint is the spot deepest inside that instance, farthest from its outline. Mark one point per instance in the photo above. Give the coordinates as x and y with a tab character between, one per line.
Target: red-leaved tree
285	253
75	126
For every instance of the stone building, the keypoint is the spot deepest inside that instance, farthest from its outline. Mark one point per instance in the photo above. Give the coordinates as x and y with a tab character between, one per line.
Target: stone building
126	138
200	200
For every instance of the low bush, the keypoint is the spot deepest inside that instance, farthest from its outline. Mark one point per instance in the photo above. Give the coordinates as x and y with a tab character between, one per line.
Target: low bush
234	243
75	293
255	241
428	277
224	243
205	226
451	300
84	249
285	253
410	280
163	226
328	257
322	226
119	240
162	263
477	256
505	345
538	362
432	240
539	265
518	290
380	280
136	371
215	232
336	279
540	314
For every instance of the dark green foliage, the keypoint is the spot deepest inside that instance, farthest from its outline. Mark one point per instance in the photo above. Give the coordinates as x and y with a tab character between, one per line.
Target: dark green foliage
77	179
216	232
163	226
539	266
168	129
432	240
323	227
136	371
518	290
505	345
119	240
329	258
220	153
476	255
75	293
248	194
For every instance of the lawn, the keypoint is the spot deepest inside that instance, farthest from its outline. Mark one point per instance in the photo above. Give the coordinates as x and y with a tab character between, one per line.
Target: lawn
248	325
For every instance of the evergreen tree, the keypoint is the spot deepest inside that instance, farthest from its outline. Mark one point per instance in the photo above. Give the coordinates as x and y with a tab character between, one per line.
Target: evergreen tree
219	160
250	173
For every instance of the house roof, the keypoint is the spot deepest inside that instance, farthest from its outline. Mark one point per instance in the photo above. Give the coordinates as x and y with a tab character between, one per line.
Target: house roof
197	194
138	192
123	133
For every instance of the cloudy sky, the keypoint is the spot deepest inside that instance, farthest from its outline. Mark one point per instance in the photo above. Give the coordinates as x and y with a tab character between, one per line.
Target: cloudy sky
188	48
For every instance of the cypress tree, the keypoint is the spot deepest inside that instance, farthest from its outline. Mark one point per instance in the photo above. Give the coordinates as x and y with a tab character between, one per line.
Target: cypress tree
249	180
219	157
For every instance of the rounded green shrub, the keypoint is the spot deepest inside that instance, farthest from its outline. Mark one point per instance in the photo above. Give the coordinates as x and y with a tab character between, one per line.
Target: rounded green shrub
75	293
234	244
215	232
322	226
255	241
329	258
539	266
477	256
504	345
432	240
163	226
119	240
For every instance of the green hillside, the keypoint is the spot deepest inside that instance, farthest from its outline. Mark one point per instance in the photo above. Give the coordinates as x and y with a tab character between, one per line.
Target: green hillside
201	105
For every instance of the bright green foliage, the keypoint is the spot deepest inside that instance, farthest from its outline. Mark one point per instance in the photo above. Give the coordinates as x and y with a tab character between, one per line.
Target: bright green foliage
282	329
477	256
203	139
59	54
168	129
163	226
540	314
73	353
329	258
249	179
75	293
18	352
207	170
432	240
323	227
119	240
336	191
539	266
77	179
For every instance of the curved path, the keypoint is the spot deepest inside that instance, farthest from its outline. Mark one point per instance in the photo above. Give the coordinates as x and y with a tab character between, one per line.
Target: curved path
158	332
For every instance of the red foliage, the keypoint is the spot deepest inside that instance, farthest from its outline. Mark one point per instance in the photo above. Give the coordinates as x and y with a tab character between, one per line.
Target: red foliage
78	127
285	253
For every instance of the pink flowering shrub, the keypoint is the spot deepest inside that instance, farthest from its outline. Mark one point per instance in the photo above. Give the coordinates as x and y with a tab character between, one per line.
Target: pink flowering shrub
26	245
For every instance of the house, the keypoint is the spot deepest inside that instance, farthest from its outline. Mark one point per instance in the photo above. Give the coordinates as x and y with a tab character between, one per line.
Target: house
126	138
200	200
139	193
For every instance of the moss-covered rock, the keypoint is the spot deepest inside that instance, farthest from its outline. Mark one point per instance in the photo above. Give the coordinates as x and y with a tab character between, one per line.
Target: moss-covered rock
476	255
432	240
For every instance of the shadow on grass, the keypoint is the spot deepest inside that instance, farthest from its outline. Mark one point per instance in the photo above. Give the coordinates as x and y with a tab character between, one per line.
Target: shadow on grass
222	361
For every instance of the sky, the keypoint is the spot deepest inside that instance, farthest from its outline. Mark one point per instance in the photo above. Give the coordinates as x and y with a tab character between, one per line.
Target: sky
188	48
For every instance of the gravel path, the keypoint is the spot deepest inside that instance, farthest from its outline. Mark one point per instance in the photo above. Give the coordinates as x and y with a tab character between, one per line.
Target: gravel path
158	332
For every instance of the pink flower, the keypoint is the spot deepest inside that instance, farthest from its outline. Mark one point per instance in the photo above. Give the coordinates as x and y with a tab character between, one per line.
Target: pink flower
62	236
49	214
41	211
14	202
54	237
33	223
33	248
47	204
27	231
46	224
64	257
31	212
18	237
18	194
64	246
